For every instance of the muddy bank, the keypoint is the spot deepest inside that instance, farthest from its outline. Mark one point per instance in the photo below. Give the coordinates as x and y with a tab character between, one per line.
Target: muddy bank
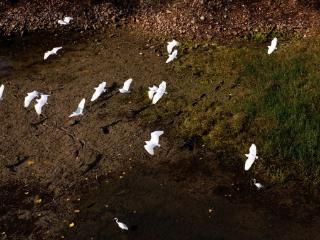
62	177
195	19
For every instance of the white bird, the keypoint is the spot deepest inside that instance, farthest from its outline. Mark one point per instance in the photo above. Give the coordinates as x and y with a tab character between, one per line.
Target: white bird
98	91
171	46
52	52
159	92
65	21
153	142
79	110
258	185
126	86
1	92
121	225
40	103
152	91
30	96
252	156
273	46
172	56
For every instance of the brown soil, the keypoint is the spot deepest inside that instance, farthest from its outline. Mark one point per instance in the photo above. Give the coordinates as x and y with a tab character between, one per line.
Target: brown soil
52	166
196	19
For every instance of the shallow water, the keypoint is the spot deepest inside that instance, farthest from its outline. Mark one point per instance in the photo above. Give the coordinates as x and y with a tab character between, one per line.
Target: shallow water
181	193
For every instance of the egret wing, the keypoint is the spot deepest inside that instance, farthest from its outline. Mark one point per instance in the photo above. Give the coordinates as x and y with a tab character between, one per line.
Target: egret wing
1	91
155	137
127	84
149	148
253	150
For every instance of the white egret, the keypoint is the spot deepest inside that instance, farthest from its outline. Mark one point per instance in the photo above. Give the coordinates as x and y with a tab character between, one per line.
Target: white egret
1	92
153	142
258	185
98	91
79	110
152	91
273	46
52	52
159	92
30	96
171	45
172	56
252	156
121	225
65	21
126	86
40	103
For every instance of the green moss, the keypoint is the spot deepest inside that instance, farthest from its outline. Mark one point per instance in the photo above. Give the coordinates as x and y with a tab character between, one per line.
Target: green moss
277	105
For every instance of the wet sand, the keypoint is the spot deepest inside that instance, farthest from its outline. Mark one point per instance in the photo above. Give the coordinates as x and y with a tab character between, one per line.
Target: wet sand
52	166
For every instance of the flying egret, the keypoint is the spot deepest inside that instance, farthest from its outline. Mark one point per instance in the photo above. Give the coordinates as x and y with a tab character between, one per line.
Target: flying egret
172	56
171	46
258	185
52	52
252	156
79	110
126	86
30	96
273	46
65	21
153	142
1	92
159	92
98	91
121	225
152	91
40	103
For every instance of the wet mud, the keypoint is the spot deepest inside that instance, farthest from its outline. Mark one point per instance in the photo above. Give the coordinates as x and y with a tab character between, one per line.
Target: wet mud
68	178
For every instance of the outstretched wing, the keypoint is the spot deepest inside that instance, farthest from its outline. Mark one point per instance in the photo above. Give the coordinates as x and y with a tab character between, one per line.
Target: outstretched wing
56	49
159	93
46	55
274	43
249	162
155	137
1	91
149	148
162	87
38	108
127	84
67	19
30	96
157	97
62	22
81	104
253	150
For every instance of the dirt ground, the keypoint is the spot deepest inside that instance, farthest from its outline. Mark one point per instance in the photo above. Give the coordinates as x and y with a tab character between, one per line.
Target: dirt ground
193	19
68	178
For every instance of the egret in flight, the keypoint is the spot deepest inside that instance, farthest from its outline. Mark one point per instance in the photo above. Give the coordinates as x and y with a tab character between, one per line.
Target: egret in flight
98	91
79	110
273	46
126	86
252	156
153	142
54	51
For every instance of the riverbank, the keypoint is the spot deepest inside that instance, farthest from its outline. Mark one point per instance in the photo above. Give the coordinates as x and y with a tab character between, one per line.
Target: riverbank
63	177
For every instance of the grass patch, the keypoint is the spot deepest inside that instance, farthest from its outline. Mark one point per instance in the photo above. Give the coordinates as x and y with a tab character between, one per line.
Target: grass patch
277	106
285	98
